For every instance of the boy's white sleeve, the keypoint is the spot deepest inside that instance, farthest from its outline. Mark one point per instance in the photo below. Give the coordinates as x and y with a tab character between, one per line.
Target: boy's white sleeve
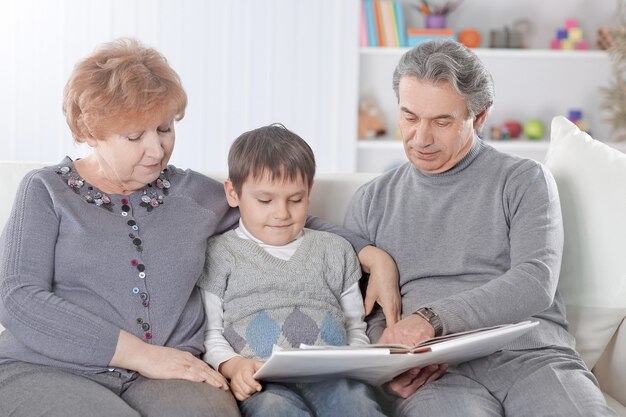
352	305
218	350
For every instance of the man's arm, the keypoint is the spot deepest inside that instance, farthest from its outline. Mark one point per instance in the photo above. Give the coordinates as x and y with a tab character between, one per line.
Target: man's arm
536	244
383	283
357	241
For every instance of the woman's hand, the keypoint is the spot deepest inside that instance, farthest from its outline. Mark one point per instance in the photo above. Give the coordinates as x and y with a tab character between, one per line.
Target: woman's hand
382	287
169	363
159	362
240	371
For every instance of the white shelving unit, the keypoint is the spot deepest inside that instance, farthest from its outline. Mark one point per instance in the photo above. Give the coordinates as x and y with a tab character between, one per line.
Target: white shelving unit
530	83
383	154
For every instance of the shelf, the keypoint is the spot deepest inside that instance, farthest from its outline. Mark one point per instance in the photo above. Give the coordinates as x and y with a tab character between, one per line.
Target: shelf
379	155
505	145
367	144
379	144
530	83
505	53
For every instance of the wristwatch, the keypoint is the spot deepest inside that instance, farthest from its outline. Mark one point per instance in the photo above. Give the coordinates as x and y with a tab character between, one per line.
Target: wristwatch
429	315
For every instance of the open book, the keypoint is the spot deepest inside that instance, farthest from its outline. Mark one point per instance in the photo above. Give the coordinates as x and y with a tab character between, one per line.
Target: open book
377	364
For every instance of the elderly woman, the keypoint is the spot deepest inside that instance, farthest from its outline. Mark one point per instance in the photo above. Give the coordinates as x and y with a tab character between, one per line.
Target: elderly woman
100	255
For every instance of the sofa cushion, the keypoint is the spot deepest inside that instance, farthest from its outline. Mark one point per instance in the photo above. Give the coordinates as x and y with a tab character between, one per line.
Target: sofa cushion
591	178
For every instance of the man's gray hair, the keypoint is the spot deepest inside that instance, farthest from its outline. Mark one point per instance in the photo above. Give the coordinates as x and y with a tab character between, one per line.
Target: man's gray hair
450	61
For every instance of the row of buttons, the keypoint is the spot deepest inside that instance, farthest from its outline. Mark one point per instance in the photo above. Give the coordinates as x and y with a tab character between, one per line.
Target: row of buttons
139	266
102	200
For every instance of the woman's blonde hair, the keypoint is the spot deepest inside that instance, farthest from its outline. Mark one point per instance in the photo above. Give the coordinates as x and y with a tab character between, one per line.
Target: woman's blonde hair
123	82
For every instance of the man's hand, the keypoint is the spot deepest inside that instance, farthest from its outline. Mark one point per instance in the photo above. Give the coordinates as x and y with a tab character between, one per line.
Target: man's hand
240	371
405	384
383	287
409	331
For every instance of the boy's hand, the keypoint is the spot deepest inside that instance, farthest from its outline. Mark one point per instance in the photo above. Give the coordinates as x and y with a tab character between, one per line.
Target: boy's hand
240	371
382	287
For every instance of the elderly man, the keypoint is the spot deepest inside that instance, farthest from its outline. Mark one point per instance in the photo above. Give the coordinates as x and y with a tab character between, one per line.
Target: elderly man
477	236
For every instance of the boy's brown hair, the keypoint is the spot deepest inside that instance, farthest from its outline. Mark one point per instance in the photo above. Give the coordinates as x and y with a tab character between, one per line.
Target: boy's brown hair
270	150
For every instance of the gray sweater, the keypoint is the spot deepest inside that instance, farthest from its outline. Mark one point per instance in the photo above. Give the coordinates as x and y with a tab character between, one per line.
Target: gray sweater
74	269
269	301
480	244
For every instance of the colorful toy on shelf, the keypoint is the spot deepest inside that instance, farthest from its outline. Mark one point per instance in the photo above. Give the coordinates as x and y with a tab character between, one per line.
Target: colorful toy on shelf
470	38
494	133
497	133
569	37
371	124
533	129
576	116
511	129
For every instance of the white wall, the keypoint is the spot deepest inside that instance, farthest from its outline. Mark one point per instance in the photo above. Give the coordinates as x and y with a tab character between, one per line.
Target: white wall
244	63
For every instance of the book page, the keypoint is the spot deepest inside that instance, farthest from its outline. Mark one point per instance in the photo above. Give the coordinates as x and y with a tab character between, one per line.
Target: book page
377	364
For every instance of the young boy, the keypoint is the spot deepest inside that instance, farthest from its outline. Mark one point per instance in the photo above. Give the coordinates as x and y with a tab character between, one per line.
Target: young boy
272	281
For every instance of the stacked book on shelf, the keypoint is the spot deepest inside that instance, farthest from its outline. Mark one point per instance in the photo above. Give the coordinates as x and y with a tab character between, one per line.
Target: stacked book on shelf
417	36
382	23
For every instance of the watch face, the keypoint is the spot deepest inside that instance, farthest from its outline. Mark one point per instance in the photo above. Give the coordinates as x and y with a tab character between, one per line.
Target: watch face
427	312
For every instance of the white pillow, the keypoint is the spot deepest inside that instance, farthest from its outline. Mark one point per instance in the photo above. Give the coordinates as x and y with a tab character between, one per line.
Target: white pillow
591	178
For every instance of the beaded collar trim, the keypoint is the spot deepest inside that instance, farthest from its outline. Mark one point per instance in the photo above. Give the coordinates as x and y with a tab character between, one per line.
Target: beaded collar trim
153	193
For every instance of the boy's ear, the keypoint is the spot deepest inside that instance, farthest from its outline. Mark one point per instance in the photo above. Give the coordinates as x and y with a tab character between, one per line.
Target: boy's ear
311	187
231	194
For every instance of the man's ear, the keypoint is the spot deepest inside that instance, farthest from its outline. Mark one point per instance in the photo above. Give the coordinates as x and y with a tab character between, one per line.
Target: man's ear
480	118
231	194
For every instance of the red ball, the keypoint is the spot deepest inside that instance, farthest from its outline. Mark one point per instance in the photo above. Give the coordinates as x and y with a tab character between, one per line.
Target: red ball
514	128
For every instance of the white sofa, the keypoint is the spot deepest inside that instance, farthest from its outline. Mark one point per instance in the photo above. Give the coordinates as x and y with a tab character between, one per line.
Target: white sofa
591	178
